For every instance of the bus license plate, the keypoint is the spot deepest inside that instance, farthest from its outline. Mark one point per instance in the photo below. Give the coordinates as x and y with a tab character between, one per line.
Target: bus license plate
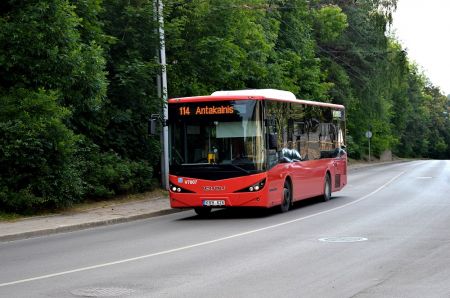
214	203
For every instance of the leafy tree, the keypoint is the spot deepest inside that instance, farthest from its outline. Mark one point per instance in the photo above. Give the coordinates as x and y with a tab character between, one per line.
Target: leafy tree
215	45
357	67
39	169
438	125
41	58
132	71
414	140
330	23
294	63
42	48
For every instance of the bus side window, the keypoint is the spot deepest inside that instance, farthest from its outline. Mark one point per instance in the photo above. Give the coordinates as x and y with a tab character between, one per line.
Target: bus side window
272	139
274	129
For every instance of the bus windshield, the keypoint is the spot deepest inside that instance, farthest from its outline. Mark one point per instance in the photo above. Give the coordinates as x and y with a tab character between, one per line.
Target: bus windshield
216	140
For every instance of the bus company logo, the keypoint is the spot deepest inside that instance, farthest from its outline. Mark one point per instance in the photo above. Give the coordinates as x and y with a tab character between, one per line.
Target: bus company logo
213	188
190	182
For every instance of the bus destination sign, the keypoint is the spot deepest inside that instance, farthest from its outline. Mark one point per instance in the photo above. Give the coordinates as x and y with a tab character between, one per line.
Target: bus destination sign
205	110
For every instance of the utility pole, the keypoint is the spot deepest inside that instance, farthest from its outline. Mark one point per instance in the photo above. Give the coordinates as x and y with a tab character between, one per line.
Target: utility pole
158	8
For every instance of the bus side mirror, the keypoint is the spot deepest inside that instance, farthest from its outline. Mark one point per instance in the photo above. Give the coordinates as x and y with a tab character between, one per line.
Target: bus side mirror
273	137
152	122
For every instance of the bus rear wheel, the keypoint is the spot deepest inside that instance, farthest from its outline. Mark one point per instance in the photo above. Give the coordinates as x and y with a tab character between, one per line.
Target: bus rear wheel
287	197
327	189
203	211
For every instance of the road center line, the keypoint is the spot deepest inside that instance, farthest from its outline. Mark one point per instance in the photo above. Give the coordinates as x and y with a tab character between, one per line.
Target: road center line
197	244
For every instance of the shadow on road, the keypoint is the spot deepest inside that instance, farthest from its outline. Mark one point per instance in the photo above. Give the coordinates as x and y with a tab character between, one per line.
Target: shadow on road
249	212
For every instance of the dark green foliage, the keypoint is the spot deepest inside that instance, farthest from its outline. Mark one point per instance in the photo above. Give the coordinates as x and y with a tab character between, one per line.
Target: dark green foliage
361	52
40	58
294	64
216	45
53	90
38	168
39	40
106	174
330	23
42	48
132	70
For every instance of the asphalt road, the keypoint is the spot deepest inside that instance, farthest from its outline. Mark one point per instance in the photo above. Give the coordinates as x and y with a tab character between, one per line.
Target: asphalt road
387	234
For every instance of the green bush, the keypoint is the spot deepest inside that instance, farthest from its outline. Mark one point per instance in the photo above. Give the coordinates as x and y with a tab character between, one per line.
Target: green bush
106	174
45	165
36	153
353	149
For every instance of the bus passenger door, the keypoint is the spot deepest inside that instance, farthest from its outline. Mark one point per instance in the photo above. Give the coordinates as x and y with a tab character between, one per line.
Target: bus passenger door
340	165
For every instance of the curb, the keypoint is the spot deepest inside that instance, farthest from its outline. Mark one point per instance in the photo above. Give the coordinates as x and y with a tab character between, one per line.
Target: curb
84	226
359	166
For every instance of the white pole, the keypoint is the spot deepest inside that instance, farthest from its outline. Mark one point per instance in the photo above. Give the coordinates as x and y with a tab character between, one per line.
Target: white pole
162	93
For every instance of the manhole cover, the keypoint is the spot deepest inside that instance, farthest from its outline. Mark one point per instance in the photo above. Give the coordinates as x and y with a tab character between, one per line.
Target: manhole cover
102	292
343	239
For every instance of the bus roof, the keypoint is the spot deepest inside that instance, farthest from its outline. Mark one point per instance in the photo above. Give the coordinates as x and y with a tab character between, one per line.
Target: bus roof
255	94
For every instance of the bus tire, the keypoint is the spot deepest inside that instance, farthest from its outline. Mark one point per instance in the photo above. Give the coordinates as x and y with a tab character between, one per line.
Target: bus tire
327	188
203	211
286	201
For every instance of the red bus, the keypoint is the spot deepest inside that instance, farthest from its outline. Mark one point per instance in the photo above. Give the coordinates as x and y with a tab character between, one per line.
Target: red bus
253	148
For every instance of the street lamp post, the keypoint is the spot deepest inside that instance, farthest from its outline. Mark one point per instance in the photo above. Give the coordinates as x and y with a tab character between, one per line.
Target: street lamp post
162	91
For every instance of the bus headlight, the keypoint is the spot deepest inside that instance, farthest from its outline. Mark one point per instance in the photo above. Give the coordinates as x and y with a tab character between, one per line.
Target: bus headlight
176	188
255	187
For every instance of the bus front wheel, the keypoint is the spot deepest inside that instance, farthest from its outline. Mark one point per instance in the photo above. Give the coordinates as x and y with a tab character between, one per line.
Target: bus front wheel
287	197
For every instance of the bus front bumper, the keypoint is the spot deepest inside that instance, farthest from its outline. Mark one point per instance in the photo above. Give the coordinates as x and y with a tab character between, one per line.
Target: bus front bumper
192	200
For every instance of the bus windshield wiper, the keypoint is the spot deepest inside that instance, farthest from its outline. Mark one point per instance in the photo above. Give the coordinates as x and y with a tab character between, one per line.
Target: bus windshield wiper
196	164
236	167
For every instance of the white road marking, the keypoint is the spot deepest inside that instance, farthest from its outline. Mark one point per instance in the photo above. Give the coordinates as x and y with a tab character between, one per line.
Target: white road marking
197	244
343	239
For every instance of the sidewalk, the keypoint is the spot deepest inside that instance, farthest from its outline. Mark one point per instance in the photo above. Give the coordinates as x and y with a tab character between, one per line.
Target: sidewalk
110	212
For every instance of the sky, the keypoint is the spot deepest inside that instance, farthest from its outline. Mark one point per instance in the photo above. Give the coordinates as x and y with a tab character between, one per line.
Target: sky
423	28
